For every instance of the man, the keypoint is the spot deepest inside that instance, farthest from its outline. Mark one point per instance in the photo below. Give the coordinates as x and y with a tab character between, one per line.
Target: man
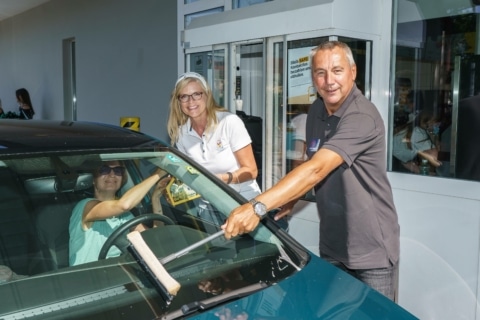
359	229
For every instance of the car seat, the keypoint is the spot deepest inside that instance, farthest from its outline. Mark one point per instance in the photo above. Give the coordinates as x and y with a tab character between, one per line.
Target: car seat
17	235
53	215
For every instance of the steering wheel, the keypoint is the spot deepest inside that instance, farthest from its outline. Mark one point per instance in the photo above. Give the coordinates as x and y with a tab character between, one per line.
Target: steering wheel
118	237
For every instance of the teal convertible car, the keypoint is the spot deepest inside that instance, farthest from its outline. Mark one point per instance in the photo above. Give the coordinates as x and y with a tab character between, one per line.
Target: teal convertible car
46	168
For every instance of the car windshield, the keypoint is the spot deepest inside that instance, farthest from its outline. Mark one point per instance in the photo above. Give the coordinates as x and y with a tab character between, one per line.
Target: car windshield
38	194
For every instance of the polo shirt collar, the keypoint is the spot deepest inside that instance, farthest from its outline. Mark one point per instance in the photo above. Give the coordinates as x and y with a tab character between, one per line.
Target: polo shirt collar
351	96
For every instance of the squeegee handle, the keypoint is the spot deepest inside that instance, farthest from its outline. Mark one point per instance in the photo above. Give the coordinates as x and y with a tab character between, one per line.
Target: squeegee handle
180	253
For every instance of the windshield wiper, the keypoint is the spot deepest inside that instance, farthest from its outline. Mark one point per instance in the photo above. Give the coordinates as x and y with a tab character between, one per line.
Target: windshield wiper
200	306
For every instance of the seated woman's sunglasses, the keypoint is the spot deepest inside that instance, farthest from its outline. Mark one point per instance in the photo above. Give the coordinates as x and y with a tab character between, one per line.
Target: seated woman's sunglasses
118	171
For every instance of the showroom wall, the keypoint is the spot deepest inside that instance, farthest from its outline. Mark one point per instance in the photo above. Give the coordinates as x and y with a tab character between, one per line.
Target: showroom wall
126	59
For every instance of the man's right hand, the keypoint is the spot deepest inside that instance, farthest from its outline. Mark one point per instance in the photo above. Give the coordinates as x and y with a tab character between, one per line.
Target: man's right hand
241	220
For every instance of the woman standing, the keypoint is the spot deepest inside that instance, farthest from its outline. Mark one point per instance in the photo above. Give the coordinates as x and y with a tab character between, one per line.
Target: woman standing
24	104
212	136
25	107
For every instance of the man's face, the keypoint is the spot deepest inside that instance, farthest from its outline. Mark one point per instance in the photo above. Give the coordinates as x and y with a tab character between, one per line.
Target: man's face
333	76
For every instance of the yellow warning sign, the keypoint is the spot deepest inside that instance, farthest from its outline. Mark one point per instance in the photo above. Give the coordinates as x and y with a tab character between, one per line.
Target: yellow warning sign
132	123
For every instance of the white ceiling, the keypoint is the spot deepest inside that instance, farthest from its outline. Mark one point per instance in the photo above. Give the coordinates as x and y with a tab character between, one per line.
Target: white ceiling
9	8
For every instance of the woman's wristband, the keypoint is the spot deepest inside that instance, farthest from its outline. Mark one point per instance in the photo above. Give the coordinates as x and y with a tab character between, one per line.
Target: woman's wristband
236	176
230	177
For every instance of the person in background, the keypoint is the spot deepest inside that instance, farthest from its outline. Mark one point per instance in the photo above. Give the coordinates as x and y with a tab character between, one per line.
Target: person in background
412	142
359	230
403	105
299	144
25	107
212	136
94	219
24	104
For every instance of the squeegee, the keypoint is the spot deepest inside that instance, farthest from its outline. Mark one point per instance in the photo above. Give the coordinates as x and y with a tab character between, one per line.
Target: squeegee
167	286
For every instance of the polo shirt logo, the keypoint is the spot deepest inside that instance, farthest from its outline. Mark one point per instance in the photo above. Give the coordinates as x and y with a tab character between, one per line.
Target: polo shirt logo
314	145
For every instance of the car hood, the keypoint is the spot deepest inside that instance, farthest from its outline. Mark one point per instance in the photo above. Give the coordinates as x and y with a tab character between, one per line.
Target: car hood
318	291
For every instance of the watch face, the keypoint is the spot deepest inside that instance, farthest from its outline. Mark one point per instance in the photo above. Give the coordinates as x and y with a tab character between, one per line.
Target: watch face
260	209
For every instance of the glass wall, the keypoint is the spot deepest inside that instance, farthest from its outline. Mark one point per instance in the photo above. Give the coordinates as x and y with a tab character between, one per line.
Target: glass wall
300	93
274	136
211	65
435	106
190	17
245	3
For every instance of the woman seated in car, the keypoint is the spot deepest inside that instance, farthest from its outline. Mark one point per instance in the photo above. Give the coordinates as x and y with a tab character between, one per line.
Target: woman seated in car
93	220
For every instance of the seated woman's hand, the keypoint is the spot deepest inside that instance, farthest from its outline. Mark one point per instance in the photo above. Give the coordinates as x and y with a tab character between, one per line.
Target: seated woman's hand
158	191
163	182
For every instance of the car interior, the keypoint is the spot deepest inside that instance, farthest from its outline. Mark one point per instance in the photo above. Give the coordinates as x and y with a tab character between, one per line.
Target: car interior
37	198
35	217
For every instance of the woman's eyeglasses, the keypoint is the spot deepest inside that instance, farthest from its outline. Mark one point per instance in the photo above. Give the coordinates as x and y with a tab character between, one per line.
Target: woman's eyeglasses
194	96
105	170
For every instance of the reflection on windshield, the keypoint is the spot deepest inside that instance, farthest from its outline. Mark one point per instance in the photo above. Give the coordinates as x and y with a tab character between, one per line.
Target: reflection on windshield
224	283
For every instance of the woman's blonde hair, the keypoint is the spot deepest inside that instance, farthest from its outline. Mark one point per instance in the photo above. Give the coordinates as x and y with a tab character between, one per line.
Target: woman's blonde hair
176	116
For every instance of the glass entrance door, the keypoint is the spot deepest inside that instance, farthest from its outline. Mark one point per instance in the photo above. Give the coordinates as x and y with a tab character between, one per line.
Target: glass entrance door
291	93
248	94
211	65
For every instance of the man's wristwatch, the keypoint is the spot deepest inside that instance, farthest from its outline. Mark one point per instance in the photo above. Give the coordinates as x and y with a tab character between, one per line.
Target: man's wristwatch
259	208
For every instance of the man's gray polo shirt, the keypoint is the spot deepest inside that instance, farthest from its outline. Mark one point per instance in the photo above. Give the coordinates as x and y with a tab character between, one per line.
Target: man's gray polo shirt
358	220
